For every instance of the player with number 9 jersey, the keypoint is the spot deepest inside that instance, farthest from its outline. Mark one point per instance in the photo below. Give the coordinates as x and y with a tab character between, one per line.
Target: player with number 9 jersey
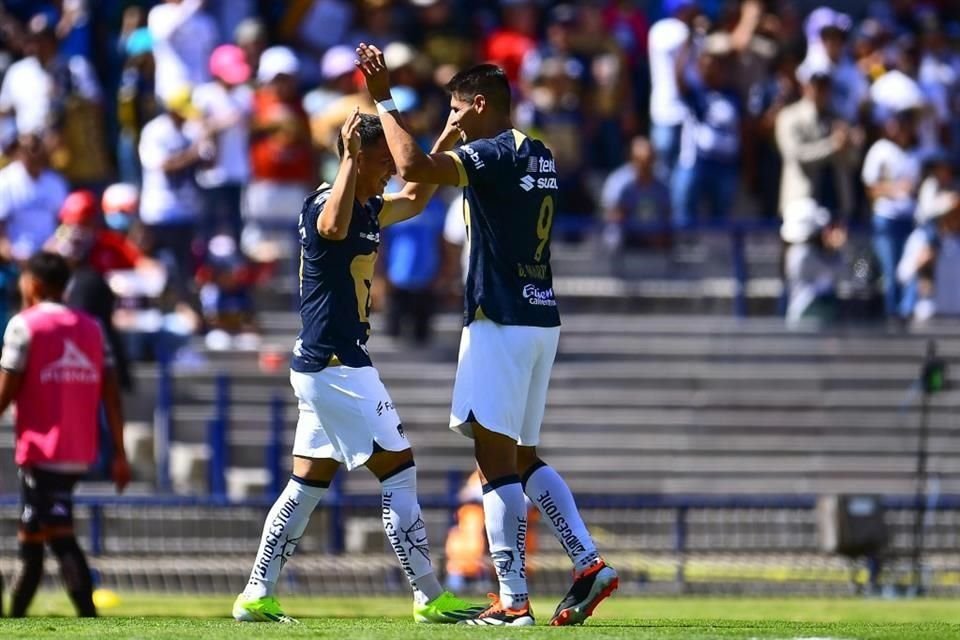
510	188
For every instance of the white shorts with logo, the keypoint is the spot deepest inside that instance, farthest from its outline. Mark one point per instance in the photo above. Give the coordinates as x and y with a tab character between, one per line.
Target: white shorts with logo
502	378
344	411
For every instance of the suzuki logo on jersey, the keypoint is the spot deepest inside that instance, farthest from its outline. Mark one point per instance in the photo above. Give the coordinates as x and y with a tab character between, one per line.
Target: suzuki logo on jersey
73	366
539	297
527	183
547	183
474	156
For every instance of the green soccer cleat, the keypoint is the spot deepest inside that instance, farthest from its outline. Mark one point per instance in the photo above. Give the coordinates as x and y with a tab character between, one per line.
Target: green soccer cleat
266	609
444	609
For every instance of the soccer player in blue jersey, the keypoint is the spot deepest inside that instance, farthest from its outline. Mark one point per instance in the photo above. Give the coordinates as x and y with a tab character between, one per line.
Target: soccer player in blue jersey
511	331
346	414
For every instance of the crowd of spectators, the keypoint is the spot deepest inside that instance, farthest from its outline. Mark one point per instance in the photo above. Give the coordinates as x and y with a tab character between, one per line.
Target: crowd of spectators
216	118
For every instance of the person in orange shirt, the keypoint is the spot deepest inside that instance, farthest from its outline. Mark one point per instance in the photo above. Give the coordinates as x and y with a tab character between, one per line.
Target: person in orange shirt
281	152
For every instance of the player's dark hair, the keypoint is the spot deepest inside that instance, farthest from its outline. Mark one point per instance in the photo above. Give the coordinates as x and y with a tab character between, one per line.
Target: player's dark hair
50	269
370	131
487	80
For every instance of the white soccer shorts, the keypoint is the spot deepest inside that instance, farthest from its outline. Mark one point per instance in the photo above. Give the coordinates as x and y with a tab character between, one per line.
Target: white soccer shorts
343	412
502	378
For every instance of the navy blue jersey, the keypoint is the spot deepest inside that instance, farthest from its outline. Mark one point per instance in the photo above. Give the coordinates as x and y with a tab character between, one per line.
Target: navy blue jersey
510	197
335	281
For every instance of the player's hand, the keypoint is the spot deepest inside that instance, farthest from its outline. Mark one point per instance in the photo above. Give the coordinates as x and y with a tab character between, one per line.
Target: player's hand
350	135
375	72
451	130
120	472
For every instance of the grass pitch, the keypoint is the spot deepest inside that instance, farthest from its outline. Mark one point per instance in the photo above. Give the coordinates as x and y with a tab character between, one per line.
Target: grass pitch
693	618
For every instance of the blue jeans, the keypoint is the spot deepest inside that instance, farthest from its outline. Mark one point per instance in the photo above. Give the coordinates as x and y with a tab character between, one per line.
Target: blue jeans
710	180
889	238
665	140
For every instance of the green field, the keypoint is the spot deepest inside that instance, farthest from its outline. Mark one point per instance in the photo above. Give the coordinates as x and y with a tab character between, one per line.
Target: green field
183	617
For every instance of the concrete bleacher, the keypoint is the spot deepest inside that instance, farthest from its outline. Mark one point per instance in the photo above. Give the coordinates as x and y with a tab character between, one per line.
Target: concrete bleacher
669	404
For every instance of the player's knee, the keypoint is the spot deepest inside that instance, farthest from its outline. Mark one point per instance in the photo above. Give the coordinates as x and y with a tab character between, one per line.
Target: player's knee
315	470
527	458
387	464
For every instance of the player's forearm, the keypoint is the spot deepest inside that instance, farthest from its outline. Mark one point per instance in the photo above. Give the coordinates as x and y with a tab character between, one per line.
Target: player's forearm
335	218
113	408
421	192
410	159
9	385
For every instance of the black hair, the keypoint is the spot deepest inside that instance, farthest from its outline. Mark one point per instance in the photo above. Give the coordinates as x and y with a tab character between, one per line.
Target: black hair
487	80
370	130
51	270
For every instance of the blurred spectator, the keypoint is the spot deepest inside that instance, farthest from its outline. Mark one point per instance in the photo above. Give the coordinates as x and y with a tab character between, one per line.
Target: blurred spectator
414	256
171	149
633	196
558	46
88	291
443	33
514	38
251	36
377	22
767	100
938	211
58	96
136	101
827	32
184	35
225	106
226	280
811	263
667	109
901	86
35	89
331	104
313	26
553	110
891	173
108	250
709	164
280	152
30	198
819	148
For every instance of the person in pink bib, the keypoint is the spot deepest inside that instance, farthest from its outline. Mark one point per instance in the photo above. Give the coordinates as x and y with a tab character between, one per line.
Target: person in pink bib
57	369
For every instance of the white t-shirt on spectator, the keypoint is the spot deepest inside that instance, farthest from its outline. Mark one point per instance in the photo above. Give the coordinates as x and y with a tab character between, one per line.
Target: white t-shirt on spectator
28	90
166	198
183	38
887	161
29	207
230	108
666	38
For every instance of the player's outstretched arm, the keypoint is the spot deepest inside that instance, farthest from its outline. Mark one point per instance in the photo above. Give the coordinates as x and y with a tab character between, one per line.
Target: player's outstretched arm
334	221
414	196
413	164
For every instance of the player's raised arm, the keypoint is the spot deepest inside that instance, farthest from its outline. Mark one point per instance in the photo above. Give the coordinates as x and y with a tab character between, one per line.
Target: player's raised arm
413	198
334	220
413	165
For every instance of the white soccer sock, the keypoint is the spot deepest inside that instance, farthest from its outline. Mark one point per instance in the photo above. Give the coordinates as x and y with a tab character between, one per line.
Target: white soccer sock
505	515
552	496
281	533
407	532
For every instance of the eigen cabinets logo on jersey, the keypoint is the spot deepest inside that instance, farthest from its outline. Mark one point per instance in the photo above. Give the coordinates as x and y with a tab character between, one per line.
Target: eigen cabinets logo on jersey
539	297
72	367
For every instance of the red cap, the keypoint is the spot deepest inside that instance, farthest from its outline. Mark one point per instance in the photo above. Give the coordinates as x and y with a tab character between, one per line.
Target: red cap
80	207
